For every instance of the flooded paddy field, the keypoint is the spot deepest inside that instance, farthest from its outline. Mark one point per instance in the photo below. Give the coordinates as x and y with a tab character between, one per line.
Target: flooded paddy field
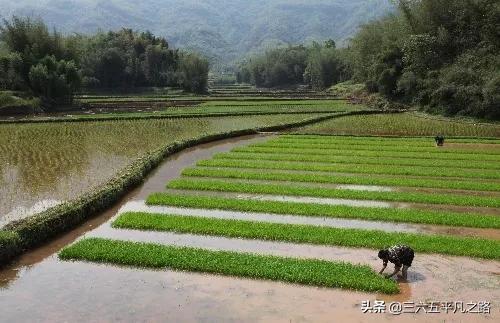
44	164
231	202
56	290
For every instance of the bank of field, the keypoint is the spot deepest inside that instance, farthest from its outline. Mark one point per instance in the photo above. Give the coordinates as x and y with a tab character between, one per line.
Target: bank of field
441	244
401	124
299	271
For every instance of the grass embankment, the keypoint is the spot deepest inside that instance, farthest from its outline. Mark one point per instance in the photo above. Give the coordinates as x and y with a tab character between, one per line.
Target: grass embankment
298	190
361	160
353	168
399	148
322	210
457	246
10	245
277	175
436	155
300	271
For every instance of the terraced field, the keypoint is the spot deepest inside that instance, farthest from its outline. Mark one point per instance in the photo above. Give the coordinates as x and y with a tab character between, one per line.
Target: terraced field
355	192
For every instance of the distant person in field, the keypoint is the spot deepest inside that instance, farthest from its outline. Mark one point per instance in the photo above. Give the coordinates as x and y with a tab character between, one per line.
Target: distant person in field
439	140
400	256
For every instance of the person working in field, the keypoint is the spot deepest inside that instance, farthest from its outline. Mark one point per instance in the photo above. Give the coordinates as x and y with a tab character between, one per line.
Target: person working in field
400	256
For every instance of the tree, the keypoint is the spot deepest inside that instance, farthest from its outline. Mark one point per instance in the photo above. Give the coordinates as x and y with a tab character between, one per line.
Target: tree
193	73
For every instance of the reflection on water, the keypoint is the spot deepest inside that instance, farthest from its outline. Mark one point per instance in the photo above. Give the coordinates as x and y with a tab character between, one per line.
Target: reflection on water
60	161
21	211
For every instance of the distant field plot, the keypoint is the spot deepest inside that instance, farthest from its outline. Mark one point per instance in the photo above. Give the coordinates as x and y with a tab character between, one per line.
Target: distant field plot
401	124
138	107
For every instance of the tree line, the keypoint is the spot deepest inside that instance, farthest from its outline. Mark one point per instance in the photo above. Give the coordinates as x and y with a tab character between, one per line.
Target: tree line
318	65
54	67
441	55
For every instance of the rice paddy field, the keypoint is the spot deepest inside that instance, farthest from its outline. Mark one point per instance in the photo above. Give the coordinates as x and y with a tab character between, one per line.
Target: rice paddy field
281	226
252	192
44	164
402	124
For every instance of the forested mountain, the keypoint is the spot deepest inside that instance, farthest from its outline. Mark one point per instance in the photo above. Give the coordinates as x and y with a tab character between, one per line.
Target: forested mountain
223	30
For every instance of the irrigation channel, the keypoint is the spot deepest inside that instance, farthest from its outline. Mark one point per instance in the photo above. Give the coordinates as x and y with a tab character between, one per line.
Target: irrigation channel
40	287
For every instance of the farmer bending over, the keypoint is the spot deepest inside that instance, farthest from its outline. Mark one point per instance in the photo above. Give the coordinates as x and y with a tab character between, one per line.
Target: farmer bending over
399	255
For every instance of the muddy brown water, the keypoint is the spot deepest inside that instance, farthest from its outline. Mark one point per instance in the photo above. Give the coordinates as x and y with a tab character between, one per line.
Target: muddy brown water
39	287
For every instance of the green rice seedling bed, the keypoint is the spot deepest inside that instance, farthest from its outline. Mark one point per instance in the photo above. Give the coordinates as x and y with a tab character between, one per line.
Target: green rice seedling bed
322	210
401	148
361	160
291	270
310	177
368	153
386	140
399	142
300	190
353	168
440	244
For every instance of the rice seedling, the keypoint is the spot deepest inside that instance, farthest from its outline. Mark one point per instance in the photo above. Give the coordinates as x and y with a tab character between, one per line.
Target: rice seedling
360	160
369	153
401	148
310	272
293	189
353	168
310	177
310	234
321	210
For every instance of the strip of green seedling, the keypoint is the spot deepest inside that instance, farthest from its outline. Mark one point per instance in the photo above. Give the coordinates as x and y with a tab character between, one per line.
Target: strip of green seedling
292	270
353	168
368	153
323	210
310	177
361	160
301	190
376	239
401	148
